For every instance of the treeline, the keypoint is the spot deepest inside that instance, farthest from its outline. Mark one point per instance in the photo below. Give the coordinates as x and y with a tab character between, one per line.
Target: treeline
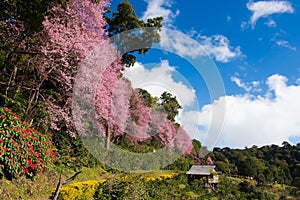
267	164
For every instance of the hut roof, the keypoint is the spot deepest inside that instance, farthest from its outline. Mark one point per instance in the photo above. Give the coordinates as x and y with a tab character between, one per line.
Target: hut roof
201	170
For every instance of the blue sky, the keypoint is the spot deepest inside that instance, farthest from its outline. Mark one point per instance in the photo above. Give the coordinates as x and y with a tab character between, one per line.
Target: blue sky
255	45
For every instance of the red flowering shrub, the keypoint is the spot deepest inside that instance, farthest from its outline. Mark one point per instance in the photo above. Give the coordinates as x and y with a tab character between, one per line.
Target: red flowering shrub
23	150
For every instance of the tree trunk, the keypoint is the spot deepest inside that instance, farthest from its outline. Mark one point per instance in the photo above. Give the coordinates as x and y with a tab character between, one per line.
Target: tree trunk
11	80
62	183
108	134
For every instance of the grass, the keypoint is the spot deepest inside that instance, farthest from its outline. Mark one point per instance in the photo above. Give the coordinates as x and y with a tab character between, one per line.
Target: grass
38	188
41	187
239	180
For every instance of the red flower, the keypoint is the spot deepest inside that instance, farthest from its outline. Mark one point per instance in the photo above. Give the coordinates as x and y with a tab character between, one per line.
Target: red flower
25	171
53	157
53	152
1	140
37	154
27	130
26	123
4	149
3	116
13	152
68	157
15	119
31	164
30	149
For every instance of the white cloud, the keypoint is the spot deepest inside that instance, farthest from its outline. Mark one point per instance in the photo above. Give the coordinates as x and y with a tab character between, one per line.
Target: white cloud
258	120
228	19
298	81
191	121
271	23
160	8
279	39
248	87
262	9
285	43
239	83
244	25
217	46
255	83
159	79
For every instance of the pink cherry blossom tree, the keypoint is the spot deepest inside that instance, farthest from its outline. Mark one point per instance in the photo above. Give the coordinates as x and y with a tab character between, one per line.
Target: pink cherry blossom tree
182	142
112	102
209	161
139	111
69	36
138	123
167	132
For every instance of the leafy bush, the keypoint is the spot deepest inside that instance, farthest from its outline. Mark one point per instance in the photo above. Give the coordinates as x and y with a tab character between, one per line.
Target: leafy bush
164	186
123	187
23	150
80	190
72	152
183	163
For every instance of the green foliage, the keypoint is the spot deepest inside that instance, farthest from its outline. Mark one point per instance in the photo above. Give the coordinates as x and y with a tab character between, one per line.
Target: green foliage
32	13
137	187
181	164
178	187
149	100
125	19
196	145
224	167
18	104
37	114
296	182
72	153
23	150
266	164
122	187
138	147
170	105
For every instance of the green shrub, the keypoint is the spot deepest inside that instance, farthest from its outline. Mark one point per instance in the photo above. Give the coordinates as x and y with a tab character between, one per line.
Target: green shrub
72	152
23	150
80	190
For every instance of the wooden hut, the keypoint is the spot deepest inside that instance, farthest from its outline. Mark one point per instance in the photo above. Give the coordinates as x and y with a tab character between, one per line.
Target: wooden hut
204	171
